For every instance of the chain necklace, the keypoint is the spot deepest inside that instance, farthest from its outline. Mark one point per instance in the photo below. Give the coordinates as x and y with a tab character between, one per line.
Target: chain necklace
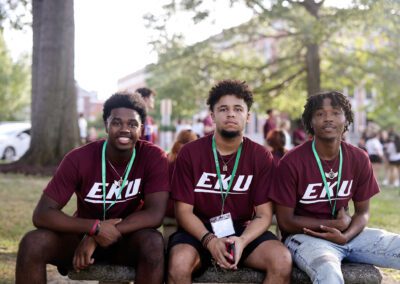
331	174
225	166
120	177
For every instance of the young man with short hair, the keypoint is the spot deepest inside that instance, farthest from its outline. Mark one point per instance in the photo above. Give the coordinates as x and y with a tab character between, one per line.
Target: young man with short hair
149	131
315	183
221	182
122	187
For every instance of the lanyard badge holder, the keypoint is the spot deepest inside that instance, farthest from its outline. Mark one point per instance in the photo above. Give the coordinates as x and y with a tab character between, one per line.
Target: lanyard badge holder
103	177
321	170
222	225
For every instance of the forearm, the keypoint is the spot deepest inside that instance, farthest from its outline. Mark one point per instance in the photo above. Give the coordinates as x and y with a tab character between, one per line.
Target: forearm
54	219
257	226
358	223
296	223
192	224
140	220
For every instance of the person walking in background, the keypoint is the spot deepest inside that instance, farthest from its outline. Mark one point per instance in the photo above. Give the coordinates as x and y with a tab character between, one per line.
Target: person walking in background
284	126
276	139
393	150
198	128
208	125
270	122
313	187
299	135
374	149
83	127
149	132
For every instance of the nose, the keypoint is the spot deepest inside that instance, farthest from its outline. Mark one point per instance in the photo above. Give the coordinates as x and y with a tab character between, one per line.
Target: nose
231	113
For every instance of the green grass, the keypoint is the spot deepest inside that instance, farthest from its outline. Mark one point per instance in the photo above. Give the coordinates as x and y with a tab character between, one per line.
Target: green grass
19	195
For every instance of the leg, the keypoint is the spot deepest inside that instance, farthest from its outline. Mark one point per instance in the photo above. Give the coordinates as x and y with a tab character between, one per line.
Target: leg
278	269
320	259
145	250
40	247
377	247
183	260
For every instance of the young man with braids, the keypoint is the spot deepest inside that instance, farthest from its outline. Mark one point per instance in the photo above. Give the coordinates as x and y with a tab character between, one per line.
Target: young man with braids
122	187
315	183
221	182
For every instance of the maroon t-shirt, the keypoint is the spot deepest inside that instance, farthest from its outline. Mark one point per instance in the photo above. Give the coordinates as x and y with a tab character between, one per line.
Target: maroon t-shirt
195	180
80	173
299	183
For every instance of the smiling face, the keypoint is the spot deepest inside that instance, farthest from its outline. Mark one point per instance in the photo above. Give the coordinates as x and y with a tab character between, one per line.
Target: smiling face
123	128
328	122
230	115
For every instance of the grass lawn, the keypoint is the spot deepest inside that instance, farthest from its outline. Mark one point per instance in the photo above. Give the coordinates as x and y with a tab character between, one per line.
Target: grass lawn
19	195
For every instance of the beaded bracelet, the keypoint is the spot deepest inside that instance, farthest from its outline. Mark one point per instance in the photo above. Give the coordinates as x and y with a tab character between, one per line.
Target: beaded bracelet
94	231
208	239
205	236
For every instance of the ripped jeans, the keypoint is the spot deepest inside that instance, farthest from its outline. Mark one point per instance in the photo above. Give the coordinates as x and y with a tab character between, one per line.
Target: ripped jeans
321	259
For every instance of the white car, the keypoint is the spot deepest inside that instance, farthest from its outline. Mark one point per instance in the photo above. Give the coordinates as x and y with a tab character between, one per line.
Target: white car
14	139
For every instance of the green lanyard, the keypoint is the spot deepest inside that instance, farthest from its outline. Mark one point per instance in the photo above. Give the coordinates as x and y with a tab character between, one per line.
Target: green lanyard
224	194
323	175
103	177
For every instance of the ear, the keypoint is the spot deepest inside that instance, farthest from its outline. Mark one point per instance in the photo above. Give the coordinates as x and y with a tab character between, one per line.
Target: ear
212	116
248	117
106	126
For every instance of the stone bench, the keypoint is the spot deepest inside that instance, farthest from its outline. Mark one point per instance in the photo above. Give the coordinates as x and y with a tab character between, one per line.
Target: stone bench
352	272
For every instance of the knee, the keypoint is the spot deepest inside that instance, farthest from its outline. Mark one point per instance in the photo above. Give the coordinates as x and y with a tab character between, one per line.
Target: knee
152	247
281	265
33	244
327	269
179	265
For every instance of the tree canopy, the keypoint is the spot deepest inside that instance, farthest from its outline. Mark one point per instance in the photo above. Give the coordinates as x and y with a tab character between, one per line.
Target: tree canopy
14	85
307	47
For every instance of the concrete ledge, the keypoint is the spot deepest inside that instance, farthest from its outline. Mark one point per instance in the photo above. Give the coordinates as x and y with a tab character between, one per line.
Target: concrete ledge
353	274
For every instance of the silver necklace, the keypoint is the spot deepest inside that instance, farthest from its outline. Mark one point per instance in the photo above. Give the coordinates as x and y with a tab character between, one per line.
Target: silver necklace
331	174
225	166
120	177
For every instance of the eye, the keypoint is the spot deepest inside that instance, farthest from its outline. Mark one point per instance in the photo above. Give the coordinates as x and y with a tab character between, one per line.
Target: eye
238	109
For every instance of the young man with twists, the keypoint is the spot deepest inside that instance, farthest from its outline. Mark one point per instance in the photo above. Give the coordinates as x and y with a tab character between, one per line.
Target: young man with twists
122	187
315	183
221	182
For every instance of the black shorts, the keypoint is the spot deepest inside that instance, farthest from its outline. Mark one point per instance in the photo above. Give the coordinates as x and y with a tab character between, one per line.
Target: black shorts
375	159
183	237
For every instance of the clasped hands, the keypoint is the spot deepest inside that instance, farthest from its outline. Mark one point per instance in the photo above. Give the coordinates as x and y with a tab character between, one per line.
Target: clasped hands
333	234
108	235
218	250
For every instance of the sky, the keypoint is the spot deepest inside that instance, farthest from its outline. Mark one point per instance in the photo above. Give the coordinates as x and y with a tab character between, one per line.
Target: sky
111	40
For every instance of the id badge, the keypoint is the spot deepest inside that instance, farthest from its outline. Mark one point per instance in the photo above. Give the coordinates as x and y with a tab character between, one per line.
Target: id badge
222	225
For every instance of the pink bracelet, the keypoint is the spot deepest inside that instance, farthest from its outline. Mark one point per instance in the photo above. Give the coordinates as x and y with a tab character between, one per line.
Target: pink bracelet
95	228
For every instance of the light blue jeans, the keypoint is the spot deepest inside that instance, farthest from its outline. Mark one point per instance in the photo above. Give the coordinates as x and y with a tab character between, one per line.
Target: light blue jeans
321	259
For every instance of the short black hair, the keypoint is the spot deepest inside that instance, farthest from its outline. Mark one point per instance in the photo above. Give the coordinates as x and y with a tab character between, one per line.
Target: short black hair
230	87
315	102
145	92
127	100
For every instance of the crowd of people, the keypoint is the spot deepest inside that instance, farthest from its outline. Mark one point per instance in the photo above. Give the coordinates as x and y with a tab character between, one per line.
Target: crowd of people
222	189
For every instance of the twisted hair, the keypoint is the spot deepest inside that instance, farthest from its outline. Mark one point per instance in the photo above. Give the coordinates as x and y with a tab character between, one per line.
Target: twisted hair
315	102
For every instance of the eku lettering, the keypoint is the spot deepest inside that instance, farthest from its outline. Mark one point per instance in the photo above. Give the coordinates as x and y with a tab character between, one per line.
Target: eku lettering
208	183
129	192
316	192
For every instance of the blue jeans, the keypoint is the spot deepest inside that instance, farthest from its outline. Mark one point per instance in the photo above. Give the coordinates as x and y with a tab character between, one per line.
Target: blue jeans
321	259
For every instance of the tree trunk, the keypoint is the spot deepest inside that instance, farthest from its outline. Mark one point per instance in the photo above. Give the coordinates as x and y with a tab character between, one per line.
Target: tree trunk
313	69
54	114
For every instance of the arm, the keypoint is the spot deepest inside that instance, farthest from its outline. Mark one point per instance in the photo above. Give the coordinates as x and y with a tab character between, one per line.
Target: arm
259	224
194	226
358	222
291	223
150	216
48	215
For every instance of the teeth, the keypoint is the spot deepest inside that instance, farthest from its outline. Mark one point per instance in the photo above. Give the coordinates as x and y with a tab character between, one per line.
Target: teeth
123	140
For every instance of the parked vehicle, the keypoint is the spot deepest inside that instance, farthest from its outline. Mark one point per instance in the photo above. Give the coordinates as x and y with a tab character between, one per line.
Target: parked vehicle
14	139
